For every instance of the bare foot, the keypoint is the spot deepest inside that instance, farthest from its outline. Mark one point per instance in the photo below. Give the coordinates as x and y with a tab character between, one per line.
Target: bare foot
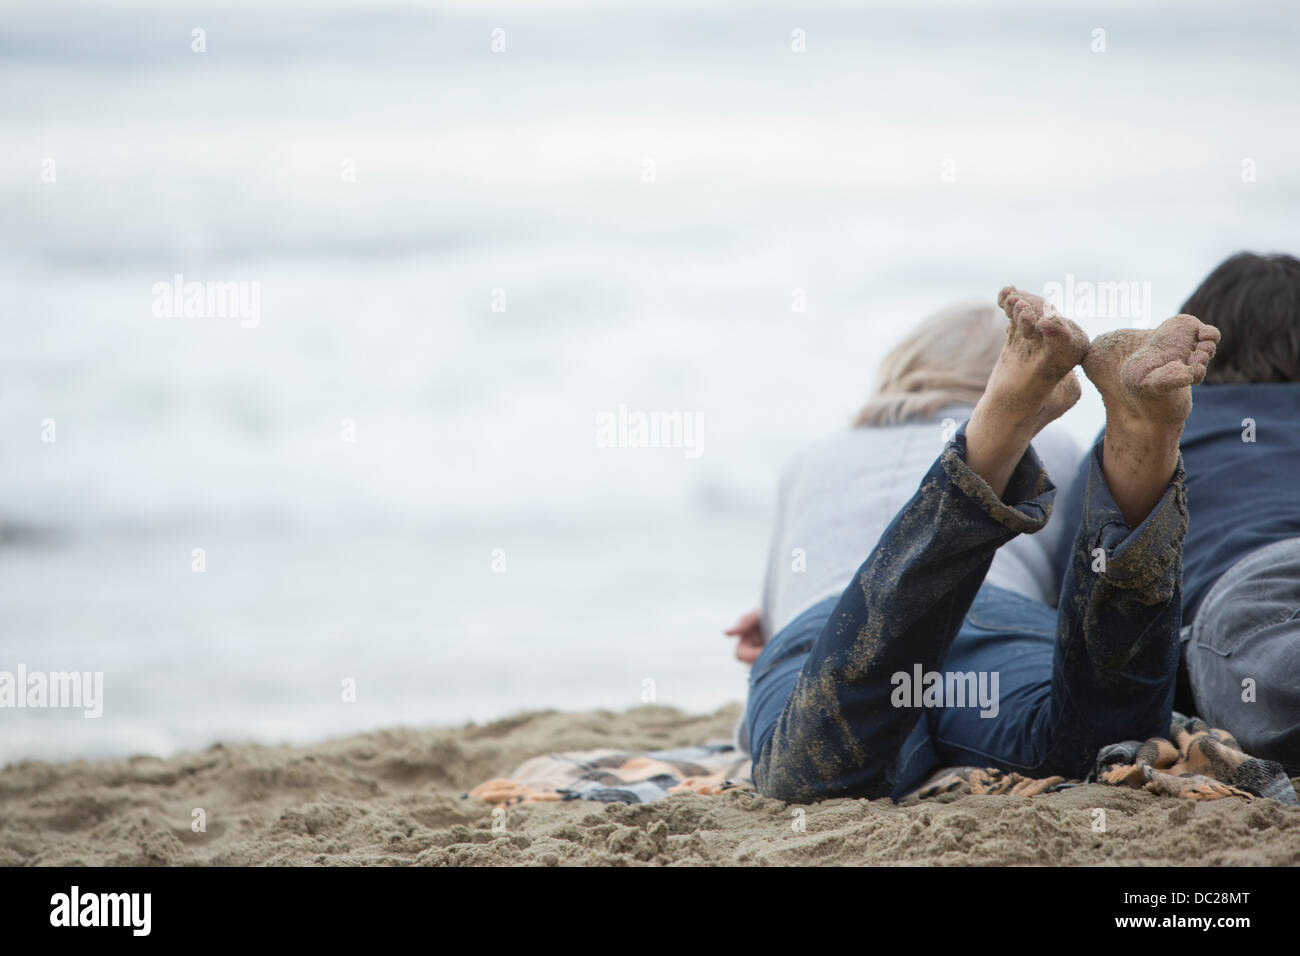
1145	377
1147	374
1031	384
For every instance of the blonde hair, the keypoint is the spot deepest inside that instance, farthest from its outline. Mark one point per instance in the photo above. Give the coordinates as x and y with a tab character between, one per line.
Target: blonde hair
945	361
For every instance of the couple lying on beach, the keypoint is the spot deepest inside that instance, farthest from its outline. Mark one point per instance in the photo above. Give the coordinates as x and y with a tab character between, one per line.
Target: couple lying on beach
1170	577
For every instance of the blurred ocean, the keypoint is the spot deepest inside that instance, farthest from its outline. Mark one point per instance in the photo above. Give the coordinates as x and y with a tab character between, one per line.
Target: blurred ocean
912	155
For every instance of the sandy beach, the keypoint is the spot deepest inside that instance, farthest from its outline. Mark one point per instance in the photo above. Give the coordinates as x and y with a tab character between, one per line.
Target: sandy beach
397	798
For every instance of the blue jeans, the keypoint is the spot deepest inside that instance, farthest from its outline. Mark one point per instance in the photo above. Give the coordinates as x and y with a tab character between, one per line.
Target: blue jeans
1241	654
831	712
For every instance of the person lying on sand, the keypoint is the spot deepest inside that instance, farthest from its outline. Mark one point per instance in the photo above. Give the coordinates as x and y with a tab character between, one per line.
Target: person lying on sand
1240	641
830	710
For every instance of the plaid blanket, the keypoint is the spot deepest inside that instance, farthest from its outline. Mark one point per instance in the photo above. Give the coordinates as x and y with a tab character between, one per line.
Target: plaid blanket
616	776
1195	762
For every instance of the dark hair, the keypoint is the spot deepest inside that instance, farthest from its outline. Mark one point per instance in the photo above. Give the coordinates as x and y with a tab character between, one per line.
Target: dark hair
1255	302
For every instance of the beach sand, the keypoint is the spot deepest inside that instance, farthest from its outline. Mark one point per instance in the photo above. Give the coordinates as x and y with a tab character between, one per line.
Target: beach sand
396	797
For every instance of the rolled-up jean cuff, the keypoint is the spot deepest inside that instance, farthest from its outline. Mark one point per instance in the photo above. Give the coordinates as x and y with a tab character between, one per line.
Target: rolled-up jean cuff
1024	507
1136	558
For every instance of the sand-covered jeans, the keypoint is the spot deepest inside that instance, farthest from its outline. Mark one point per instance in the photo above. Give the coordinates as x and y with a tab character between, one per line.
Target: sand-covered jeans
865	696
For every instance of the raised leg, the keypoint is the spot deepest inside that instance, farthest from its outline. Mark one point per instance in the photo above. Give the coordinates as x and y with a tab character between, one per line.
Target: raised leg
839	734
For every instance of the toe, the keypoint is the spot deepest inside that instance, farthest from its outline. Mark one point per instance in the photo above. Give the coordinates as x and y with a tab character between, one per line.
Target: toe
1170	377
1051	327
1025	315
1010	303
1035	301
